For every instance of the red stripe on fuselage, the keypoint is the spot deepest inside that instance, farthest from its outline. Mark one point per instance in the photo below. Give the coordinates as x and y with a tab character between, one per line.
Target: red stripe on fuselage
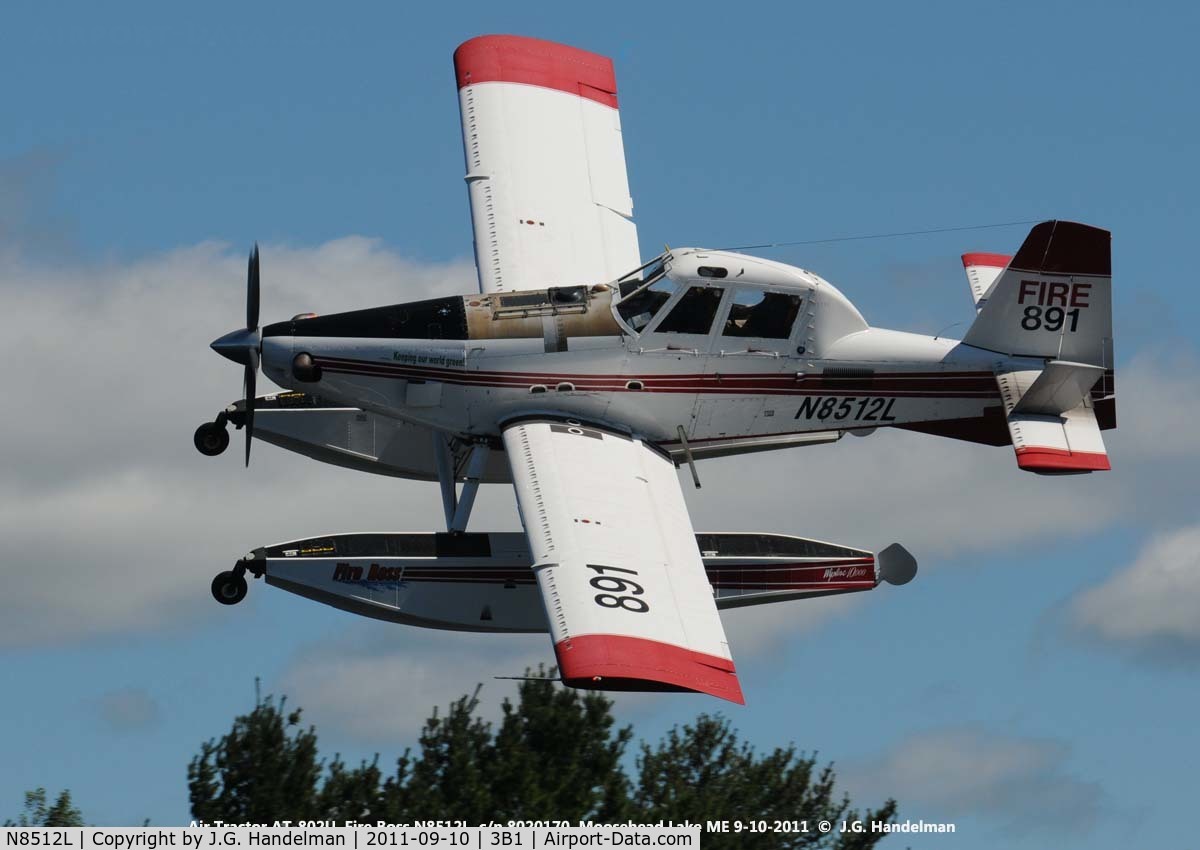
898	385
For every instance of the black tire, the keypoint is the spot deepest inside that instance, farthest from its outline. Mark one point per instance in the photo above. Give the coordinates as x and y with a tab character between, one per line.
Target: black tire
211	439
229	588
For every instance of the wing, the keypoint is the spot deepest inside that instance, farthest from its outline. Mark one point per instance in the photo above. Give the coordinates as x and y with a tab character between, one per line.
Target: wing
626	595
550	201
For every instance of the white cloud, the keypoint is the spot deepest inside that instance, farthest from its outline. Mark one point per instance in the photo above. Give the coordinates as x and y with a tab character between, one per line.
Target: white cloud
759	629
128	710
363	685
110	521
1154	603
942	774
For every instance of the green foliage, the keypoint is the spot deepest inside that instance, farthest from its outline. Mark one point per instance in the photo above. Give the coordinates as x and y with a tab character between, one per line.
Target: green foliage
704	772
556	754
352	794
38	813
264	770
450	779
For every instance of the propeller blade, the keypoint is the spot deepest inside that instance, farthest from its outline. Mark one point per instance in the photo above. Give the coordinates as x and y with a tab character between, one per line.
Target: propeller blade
250	380
252	290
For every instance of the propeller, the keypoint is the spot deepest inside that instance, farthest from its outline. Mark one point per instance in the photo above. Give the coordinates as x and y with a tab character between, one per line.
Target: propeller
243	346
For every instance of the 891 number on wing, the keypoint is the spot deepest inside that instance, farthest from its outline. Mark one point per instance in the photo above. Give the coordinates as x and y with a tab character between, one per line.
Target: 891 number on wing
618	592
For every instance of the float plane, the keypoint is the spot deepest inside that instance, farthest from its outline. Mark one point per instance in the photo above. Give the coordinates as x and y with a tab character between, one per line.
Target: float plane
584	376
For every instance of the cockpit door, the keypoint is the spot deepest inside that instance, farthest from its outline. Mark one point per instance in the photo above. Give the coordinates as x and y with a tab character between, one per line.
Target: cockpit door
762	321
750	368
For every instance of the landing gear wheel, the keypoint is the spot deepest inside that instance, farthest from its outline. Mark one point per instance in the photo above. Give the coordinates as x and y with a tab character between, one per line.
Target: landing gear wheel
229	588
211	439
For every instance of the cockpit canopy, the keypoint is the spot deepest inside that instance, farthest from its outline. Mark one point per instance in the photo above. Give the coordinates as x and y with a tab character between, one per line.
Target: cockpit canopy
696	292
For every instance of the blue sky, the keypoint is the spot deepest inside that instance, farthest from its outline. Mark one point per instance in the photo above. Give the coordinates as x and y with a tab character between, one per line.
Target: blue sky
147	146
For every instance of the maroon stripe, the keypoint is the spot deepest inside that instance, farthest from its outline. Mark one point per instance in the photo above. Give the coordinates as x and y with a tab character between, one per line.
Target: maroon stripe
768	588
762	586
438	371
935	374
798	577
714	386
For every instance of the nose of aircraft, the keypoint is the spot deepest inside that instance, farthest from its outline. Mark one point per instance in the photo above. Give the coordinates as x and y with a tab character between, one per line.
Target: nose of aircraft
237	345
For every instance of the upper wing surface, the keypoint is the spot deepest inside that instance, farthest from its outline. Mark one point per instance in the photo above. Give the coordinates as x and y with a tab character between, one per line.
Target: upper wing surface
550	201
626	594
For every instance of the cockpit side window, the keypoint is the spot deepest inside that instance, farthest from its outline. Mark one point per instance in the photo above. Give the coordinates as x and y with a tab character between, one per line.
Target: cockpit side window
639	310
694	313
763	315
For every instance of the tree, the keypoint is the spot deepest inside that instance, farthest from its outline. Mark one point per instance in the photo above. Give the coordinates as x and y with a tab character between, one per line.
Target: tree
37	813
704	772
450	780
265	769
356	794
556	754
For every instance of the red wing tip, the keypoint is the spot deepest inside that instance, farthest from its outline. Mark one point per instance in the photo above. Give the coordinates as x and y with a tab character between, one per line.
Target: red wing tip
536	62
1043	459
623	663
997	261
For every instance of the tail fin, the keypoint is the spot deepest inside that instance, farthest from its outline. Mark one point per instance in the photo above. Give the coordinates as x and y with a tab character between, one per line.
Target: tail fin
1054	299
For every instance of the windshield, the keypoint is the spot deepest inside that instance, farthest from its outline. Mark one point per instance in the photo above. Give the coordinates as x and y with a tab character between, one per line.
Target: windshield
640	308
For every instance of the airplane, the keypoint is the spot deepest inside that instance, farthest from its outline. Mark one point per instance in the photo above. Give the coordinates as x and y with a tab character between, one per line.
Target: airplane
585	376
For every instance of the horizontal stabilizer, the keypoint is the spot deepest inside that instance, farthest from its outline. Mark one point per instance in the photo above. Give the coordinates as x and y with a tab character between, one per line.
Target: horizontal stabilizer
1051	444
1062	386
982	271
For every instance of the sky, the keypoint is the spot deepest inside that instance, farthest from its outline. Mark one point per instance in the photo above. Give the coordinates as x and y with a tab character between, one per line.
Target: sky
1036	684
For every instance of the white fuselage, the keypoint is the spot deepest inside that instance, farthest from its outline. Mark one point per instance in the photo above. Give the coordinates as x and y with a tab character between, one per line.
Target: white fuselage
819	368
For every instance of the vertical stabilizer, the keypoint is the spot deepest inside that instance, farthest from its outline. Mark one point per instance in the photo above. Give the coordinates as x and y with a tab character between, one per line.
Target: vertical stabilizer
1054	299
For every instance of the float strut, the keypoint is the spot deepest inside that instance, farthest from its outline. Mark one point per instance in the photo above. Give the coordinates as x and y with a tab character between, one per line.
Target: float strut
475	467
445	471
